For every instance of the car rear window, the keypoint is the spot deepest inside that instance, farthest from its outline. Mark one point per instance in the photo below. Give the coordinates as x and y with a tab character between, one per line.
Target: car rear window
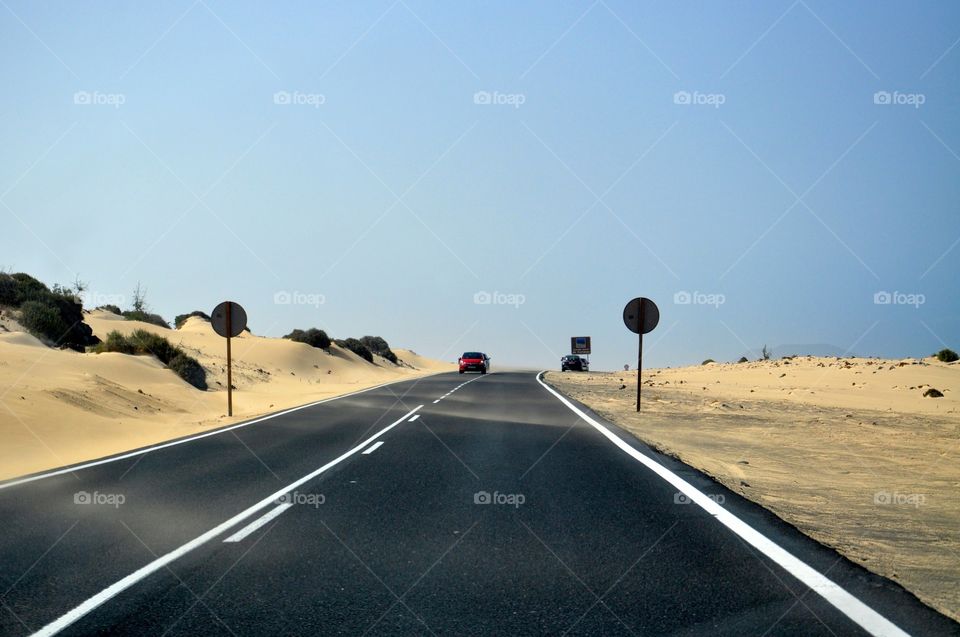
472	355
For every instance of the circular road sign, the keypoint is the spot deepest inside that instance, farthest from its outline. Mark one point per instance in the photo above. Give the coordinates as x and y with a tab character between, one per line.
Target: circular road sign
238	319
631	315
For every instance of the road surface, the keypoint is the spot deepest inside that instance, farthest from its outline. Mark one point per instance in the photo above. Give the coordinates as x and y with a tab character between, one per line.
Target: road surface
450	505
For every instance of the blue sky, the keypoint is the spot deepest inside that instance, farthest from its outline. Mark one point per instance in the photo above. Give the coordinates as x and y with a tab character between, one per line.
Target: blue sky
376	167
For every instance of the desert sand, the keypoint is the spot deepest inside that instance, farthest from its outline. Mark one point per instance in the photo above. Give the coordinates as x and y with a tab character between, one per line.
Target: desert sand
847	450
60	407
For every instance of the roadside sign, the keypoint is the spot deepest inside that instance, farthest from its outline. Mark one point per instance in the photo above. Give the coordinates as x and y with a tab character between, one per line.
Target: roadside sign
228	320
580	345
640	315
641	311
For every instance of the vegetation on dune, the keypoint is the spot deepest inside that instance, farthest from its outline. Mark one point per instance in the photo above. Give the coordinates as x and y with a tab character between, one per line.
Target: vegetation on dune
144	342
743	359
180	319
380	347
947	356
313	337
145	317
356	347
708	361
140	311
113	309
54	316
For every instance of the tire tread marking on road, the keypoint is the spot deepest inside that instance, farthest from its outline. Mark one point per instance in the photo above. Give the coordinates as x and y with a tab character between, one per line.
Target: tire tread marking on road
172	443
256	524
123	584
373	447
864	616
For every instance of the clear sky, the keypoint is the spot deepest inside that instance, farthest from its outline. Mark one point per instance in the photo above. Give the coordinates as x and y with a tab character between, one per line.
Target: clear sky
370	167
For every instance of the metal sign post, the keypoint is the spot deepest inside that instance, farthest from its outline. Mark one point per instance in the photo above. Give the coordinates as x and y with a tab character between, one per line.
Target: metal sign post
229	319
230	364
640	316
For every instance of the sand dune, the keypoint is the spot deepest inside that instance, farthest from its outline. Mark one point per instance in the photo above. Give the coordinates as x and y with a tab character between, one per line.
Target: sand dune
61	407
848	450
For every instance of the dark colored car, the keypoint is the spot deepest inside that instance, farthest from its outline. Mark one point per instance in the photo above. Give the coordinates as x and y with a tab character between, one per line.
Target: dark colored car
474	362
574	363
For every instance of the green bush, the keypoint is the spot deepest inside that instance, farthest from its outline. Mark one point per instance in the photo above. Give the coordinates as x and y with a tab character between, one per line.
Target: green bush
145	317
743	359
379	346
156	345
357	348
116	342
8	290
189	369
313	337
947	356
182	318
709	360
55	315
29	288
43	321
144	342
113	309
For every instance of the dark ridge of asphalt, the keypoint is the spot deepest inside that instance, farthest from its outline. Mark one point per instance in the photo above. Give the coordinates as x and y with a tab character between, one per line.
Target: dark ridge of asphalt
394	543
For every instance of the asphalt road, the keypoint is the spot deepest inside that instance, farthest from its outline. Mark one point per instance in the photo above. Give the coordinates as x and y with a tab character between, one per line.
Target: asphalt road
499	510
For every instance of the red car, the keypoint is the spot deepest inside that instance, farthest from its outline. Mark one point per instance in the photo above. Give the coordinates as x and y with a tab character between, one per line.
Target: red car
474	362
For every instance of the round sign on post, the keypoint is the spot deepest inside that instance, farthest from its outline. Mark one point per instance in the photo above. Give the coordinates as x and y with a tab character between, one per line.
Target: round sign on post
641	306
640	316
237	319
228	320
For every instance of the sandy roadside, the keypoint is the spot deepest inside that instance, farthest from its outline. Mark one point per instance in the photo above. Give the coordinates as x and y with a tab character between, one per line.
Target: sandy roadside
849	451
60	407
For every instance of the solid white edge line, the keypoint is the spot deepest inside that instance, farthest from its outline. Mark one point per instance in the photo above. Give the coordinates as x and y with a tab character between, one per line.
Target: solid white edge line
373	447
867	618
118	587
172	443
256	524
414	417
